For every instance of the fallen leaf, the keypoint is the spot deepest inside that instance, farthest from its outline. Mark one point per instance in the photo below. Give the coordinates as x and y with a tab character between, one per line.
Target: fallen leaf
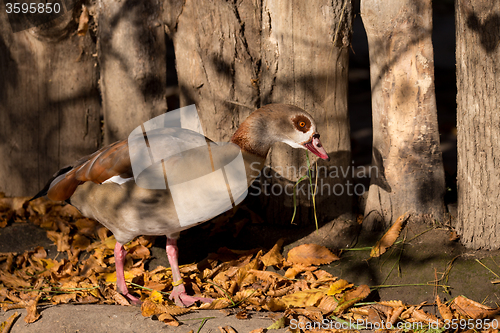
148	308
328	304
80	242
242	315
422	316
338	287
83	23
168	319
13	281
472	309
63	298
156	297
311	254
304	298
227	329
273	257
351	297
32	314
444	310
389	237
61	240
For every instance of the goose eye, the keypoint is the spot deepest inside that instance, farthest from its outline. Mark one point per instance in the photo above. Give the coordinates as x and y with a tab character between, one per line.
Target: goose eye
302	124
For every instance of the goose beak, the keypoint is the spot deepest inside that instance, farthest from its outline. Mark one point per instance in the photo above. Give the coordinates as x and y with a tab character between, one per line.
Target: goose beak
315	147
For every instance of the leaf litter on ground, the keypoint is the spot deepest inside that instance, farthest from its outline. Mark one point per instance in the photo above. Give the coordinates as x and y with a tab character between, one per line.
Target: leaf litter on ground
250	280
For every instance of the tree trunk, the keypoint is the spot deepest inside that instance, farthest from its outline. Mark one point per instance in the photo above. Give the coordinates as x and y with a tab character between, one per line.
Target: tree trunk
407	172
49	102
133	68
233	57
478	86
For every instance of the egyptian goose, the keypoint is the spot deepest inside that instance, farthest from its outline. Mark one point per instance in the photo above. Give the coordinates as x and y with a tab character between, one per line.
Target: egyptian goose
102	185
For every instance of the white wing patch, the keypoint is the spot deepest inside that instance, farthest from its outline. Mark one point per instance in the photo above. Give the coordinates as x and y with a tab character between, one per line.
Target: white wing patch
118	180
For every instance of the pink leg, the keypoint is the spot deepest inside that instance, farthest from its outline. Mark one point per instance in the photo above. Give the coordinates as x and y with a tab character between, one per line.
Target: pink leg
120	254
179	292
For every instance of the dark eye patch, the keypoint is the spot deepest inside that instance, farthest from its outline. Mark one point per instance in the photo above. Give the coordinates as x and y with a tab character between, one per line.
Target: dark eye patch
301	123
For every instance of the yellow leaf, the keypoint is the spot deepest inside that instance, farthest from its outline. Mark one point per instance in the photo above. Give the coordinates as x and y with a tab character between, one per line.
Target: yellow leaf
304	298
156	297
111	277
389	237
338	286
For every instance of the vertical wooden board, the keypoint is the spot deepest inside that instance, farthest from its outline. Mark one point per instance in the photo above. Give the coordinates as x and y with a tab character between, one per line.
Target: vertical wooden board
405	128
478	119
49	108
217	53
132	62
302	66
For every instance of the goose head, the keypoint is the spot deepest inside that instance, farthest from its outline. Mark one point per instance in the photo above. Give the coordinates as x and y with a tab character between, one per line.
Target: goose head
279	123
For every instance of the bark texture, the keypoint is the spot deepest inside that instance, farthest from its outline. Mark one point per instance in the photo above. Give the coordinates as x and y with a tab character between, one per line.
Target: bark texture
478	122
408	173
132	62
49	102
235	56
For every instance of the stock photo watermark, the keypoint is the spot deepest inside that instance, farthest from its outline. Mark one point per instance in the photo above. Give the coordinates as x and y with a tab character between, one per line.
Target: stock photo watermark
27	14
324	185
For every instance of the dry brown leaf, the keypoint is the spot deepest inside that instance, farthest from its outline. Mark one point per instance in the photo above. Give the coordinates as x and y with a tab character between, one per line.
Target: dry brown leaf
13	281
242	315
80	242
389	237
168	319
86	226
374	317
394	304
32	314
227	329
63	298
311	254
267	276
83	23
472	309
279	292
444	310
422	316
328	304
351	297
139	252
359	293
313	313
274	305
61	240
217	304
273	257
119	298
70	212
149	308
395	315
304	298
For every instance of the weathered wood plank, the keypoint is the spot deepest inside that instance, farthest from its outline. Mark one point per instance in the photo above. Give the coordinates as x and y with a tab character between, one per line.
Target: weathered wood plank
49	105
